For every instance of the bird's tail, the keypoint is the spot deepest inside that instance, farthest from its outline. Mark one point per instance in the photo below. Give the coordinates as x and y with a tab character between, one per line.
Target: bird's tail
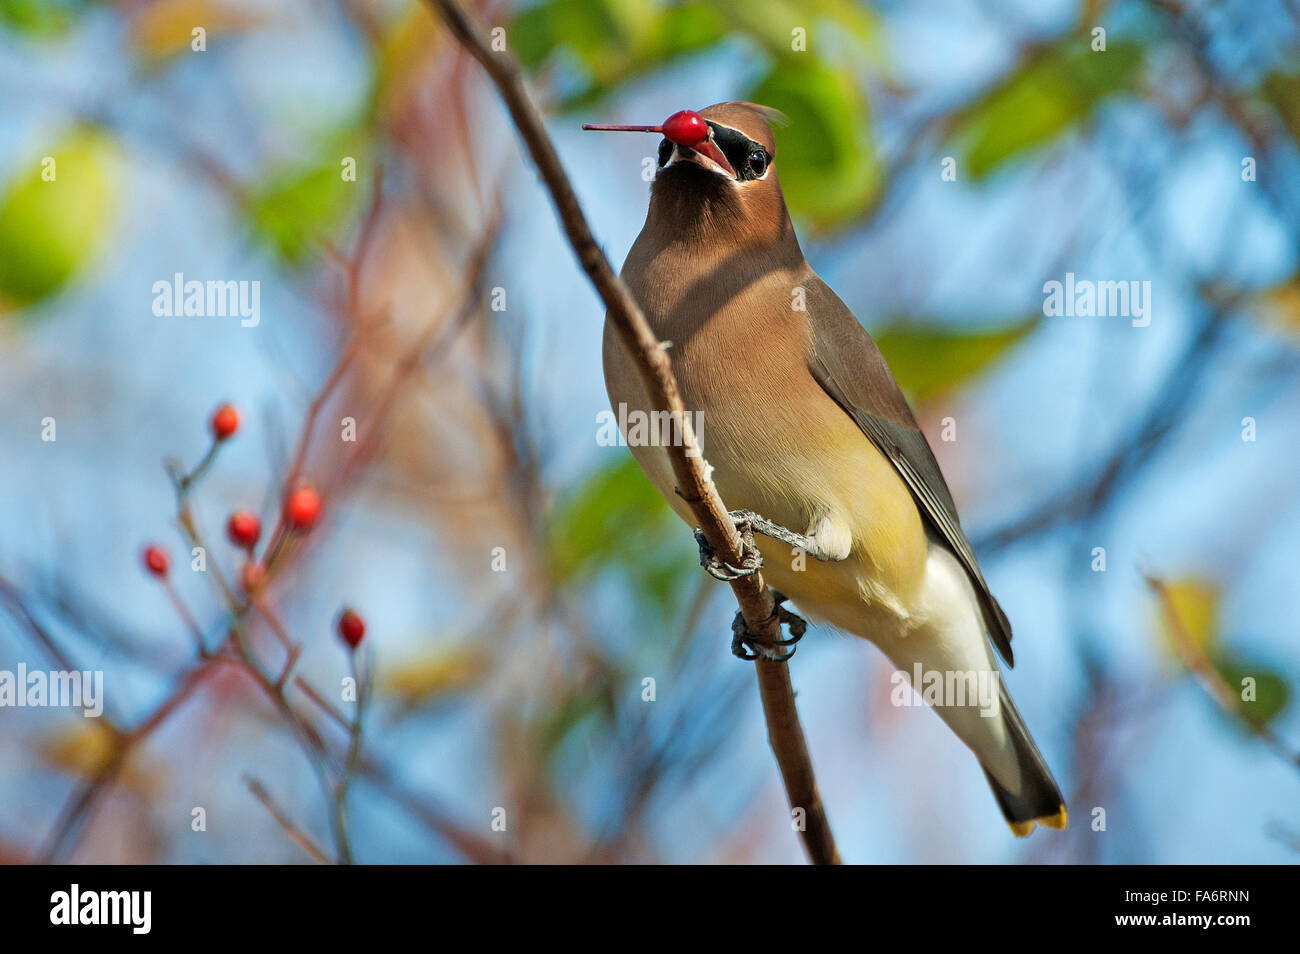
1038	799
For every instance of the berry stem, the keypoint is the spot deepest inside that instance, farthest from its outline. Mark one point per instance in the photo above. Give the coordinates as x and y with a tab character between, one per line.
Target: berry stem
185	481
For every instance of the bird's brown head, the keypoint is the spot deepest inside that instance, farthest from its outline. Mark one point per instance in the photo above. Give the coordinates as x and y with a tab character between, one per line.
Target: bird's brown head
716	170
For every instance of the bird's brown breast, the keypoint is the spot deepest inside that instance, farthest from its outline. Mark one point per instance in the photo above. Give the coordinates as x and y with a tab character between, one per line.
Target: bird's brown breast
778	443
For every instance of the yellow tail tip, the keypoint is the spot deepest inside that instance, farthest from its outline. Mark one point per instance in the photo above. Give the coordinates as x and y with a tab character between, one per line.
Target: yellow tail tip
1058	821
1022	829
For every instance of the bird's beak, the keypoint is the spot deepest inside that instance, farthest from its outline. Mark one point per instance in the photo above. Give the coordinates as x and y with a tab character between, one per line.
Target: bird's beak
691	136
706	154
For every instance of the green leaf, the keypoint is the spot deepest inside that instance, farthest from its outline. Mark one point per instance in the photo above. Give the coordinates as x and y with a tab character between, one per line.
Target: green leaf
1269	689
299	208
611	41
1063	85
39	18
50	230
772	23
1282	92
827	158
930	361
617	520
576	709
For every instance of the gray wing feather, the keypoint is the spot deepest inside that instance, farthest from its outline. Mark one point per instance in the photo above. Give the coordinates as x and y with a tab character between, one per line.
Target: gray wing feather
850	368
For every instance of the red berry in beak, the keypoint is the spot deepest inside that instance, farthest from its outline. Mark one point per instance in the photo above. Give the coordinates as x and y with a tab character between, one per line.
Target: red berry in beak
225	421
244	528
352	628
156	560
686	128
303	507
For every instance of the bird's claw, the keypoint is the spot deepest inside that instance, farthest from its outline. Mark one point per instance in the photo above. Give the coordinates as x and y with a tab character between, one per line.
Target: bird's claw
751	560
745	645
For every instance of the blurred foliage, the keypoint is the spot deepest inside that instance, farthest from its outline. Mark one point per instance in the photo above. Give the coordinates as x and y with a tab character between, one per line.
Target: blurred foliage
83	749
1195	604
611	41
1282	92
617	520
590	707
401	48
164	28
1279	306
930	361
828	164
297	209
1058	89
42	19
434	675
1271	692
49	230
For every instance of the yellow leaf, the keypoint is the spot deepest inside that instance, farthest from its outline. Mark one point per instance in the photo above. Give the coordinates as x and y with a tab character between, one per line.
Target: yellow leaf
1196	603
406	52
167	27
1280	306
84	749
427	677
87	748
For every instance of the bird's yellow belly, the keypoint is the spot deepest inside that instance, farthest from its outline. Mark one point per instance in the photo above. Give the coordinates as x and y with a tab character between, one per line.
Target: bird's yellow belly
833	472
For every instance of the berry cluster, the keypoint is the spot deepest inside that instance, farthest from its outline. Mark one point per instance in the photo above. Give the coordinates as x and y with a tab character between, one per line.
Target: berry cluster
302	510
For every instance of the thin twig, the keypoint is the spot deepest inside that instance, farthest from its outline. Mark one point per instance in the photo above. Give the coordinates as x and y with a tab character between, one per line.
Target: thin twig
296	834
1198	664
693	480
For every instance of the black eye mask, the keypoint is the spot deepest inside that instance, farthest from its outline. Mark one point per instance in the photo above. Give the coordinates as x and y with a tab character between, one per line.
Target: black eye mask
748	158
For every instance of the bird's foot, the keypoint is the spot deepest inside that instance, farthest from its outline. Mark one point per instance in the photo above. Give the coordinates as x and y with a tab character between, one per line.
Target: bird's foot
745	645
757	523
747	524
751	560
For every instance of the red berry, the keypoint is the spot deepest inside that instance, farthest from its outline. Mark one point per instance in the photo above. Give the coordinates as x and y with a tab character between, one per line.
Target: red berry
303	507
225	421
244	528
352	628
686	128
156	560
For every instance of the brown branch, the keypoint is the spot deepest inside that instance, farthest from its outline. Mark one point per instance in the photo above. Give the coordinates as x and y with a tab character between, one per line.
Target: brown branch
79	807
296	834
694	483
1216	687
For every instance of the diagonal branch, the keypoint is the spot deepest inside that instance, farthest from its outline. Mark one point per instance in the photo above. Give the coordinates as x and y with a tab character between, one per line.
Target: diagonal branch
1199	664
690	471
295	833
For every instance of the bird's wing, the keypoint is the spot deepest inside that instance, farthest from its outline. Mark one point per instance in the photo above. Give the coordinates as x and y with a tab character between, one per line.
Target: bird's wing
850	368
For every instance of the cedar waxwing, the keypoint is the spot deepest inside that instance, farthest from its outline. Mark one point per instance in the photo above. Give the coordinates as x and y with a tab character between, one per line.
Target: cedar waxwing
805	426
